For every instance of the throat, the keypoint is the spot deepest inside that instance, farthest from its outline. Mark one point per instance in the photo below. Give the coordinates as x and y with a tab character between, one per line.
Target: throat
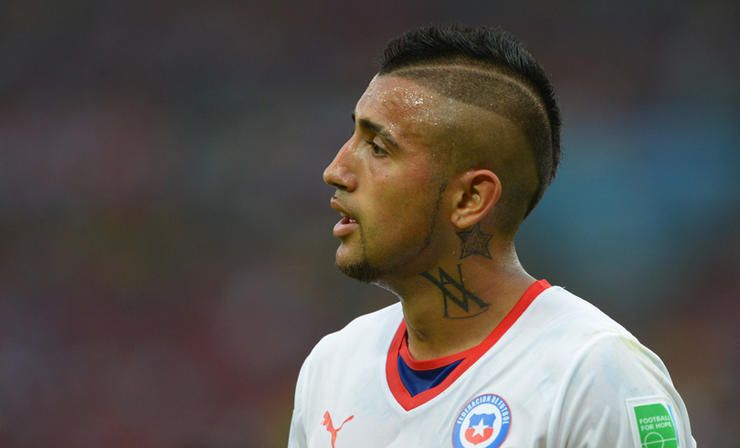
443	339
449	314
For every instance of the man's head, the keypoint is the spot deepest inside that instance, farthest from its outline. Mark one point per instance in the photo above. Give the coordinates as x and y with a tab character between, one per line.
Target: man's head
458	128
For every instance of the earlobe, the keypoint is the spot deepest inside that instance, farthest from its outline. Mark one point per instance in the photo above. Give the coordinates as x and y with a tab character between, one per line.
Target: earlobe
480	191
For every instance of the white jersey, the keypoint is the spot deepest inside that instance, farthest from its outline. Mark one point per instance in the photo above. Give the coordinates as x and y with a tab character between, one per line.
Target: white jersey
556	372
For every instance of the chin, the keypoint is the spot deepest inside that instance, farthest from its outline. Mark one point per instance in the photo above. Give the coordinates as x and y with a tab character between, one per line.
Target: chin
353	262
358	268
361	271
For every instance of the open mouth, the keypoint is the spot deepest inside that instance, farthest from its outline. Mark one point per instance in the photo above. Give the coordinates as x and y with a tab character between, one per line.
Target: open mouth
345	226
347	220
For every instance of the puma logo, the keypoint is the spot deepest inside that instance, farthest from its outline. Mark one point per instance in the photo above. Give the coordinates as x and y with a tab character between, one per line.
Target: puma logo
330	427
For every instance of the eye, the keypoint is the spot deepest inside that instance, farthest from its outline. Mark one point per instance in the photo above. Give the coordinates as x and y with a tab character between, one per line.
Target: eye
378	151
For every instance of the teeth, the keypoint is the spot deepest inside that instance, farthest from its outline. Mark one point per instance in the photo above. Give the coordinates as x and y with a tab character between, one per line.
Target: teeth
346	218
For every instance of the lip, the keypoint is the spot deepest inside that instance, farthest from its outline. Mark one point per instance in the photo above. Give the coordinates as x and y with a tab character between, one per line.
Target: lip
347	223
344	227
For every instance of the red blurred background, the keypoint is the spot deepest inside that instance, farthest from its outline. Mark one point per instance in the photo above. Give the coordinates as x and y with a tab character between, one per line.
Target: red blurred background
166	258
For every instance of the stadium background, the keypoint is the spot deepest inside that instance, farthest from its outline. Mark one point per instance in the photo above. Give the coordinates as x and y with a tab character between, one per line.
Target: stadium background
165	237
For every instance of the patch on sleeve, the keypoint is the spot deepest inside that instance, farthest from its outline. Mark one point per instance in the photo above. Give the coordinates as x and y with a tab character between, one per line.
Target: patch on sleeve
653	422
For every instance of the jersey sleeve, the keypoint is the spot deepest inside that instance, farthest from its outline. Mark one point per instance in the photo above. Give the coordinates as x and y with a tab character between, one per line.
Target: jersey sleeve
618	393
297	436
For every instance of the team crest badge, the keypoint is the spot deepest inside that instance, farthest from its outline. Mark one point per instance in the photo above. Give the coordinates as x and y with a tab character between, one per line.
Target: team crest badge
483	423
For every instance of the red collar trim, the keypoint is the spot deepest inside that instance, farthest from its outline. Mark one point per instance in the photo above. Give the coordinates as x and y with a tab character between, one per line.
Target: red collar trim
399	347
429	364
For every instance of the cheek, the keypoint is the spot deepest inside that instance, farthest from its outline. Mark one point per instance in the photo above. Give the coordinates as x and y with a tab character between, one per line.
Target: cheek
406	211
402	194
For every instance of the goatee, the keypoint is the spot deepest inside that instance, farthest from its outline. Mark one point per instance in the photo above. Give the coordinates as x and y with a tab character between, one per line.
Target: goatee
362	271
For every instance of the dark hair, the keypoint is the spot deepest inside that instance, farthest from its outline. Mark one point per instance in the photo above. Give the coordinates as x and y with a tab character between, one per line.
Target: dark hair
494	48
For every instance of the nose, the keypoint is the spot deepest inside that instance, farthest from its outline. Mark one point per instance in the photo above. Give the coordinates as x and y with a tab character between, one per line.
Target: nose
339	173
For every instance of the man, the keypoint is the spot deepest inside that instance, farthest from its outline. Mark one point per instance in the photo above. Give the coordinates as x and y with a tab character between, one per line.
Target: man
455	140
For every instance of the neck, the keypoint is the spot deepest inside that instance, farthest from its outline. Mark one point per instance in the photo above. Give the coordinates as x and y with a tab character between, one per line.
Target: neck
454	305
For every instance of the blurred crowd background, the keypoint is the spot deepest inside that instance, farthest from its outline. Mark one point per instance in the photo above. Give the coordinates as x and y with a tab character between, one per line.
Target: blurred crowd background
166	257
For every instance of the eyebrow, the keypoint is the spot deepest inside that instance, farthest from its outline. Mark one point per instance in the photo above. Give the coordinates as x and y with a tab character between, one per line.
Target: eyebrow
376	128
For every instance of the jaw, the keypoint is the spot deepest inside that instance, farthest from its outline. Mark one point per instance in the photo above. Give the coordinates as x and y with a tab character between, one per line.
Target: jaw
351	259
351	250
391	256
400	274
357	268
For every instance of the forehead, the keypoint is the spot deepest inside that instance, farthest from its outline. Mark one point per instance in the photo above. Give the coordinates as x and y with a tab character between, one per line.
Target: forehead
401	105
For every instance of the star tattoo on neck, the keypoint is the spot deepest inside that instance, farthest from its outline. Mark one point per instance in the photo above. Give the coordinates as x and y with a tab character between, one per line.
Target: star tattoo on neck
474	242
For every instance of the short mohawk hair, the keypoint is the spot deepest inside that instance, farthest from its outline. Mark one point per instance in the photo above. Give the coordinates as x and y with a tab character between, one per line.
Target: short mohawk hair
486	47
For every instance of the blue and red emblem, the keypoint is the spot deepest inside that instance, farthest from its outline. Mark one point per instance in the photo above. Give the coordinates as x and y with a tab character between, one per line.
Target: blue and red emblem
483	423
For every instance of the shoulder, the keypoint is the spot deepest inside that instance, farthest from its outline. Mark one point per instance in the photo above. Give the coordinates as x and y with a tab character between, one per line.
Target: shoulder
362	342
366	334
588	340
558	309
614	392
621	362
606	374
569	338
555	329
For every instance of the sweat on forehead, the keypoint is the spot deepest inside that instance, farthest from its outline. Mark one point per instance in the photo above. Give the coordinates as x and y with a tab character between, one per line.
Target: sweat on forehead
404	96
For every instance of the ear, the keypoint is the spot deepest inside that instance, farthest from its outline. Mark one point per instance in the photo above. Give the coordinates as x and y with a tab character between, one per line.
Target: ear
478	192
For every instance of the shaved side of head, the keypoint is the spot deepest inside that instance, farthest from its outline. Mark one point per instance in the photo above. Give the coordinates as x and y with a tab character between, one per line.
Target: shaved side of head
498	130
512	123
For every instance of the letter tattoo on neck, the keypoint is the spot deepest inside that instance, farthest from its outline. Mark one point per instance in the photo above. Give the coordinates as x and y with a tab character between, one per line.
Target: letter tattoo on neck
461	300
474	242
466	304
